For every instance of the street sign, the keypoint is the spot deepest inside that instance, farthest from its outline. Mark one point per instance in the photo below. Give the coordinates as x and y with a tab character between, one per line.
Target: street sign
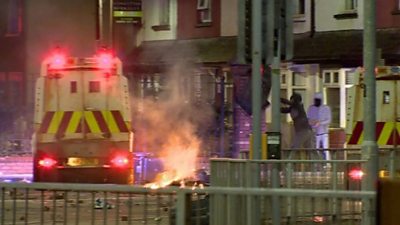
127	11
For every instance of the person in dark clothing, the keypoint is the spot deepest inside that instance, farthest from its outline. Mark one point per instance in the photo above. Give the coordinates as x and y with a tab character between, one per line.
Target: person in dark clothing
304	136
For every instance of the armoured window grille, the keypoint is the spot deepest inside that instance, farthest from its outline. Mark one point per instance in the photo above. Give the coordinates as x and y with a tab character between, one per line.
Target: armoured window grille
74	87
204	11
197	87
207	88
94	86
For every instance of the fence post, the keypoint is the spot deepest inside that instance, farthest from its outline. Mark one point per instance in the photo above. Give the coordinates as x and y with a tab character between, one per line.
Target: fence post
392	156
181	208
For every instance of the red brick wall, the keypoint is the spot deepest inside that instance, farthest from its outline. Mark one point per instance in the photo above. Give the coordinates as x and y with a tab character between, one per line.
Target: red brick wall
188	26
386	14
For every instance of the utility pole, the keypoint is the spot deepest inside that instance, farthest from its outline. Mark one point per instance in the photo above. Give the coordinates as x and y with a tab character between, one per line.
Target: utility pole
256	53
256	56
257	46
111	31
106	23
369	146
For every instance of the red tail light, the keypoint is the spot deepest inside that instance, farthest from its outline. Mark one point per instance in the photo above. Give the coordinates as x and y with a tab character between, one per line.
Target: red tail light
356	174
57	61
47	162
105	60
120	161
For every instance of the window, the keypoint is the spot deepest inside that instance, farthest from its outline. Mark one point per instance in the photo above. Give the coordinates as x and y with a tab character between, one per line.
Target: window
164	15
300	7
336	77
331	77
350	5
73	87
204	11
94	86
327	77
299	79
283	78
348	10
386	97
14	18
164	12
202	4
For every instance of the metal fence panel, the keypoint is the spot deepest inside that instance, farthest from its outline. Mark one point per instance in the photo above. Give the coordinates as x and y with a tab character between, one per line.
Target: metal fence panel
46	203
305	174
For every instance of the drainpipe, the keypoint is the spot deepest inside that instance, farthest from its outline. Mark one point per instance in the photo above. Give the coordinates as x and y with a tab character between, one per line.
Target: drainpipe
222	116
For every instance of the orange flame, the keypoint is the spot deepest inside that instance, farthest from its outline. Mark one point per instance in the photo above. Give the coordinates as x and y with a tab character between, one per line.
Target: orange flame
162	180
179	159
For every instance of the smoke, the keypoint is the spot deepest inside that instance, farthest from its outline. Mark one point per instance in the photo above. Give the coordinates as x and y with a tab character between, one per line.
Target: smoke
169	124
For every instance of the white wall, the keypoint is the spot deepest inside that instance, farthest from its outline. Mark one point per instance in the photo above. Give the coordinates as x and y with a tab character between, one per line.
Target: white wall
325	11
301	23
229	17
151	18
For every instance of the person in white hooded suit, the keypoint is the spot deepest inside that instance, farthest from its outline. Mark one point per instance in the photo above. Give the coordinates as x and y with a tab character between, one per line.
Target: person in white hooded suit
319	116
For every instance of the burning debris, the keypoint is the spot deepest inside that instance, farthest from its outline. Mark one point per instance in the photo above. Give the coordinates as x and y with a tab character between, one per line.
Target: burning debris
163	179
172	122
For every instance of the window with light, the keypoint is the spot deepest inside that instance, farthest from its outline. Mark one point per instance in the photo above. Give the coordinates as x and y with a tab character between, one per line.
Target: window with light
204	11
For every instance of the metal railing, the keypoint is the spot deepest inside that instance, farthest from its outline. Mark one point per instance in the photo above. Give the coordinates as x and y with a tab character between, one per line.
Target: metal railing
305	174
388	157
54	203
316	175
15	147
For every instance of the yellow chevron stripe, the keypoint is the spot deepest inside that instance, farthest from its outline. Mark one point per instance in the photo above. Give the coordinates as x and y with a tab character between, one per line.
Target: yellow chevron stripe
55	122
385	133
397	127
361	138
74	122
397	124
128	125
92	123
76	119
349	136
112	125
